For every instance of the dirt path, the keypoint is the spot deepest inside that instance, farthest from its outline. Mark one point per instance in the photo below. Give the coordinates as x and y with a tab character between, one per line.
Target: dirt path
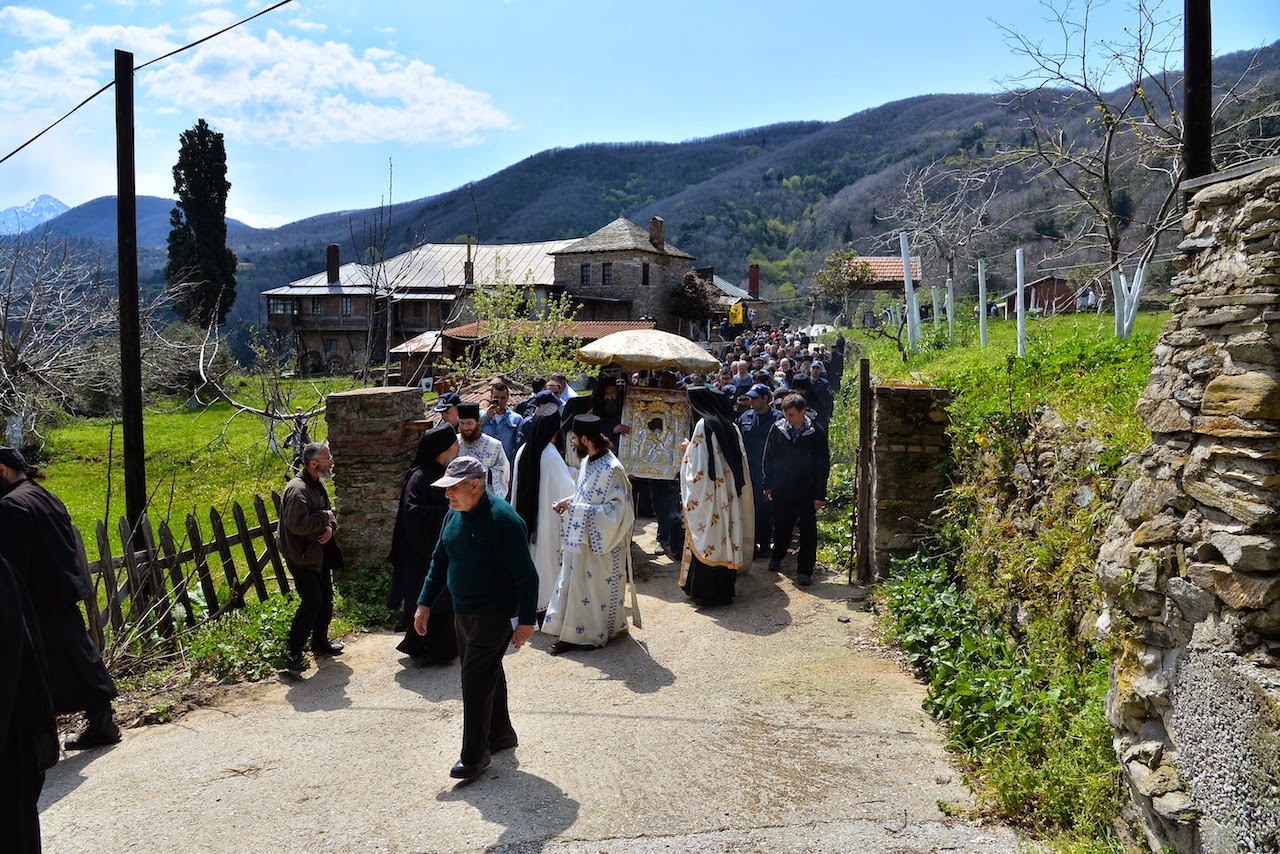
771	725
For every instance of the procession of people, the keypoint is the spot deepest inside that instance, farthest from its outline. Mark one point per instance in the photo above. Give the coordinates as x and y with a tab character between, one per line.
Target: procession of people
511	520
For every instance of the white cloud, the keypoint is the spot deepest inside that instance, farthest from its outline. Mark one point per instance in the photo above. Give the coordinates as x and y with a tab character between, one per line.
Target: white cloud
291	92
34	25
302	24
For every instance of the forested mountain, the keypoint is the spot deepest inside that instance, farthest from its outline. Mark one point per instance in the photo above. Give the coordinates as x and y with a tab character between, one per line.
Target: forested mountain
783	195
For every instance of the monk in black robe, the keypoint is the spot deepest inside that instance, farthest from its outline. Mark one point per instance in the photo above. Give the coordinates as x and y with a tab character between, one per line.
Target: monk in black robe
28	729
37	539
422	511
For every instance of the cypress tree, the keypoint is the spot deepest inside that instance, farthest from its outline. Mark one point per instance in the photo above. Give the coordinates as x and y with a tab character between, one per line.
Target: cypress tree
201	271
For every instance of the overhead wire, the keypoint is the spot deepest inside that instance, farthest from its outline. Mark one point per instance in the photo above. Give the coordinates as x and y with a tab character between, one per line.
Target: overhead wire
142	66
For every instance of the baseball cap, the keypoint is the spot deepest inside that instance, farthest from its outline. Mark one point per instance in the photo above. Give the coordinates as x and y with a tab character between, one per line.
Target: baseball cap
446	401
460	469
760	390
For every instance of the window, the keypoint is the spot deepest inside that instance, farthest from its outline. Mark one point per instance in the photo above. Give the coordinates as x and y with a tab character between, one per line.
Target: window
331	345
606	274
281	306
644	274
317	306
586	275
346	306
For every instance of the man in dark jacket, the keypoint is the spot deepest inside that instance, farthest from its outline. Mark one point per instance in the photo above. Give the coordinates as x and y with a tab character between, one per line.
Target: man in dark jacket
37	539
304	535
796	465
483	559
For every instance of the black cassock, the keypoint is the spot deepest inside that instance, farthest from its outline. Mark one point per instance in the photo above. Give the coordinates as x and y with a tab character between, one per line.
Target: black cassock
28	731
37	539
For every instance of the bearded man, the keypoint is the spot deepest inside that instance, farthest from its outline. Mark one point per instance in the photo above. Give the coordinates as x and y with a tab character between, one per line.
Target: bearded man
586	608
488	450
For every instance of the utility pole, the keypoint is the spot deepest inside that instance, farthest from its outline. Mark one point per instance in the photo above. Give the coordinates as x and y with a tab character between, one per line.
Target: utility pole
1197	89
135	461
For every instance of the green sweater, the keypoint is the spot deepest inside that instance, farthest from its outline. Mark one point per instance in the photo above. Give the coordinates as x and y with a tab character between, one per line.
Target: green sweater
483	558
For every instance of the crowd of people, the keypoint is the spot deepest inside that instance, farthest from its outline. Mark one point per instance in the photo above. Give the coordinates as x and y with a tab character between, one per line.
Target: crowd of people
753	472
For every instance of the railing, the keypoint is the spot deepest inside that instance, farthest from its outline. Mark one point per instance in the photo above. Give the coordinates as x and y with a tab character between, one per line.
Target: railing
144	588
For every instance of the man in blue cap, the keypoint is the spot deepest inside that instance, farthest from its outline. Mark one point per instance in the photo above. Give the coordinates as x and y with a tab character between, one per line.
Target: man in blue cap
447	408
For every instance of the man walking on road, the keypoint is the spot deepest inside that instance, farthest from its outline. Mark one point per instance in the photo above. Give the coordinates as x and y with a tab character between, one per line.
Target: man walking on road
755	424
483	560
796	465
305	538
37	539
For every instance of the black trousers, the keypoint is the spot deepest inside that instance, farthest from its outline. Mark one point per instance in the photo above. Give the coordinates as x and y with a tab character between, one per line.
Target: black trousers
764	519
787	514
483	638
315	608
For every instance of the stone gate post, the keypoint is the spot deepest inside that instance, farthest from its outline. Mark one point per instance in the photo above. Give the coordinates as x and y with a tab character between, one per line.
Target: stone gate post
373	434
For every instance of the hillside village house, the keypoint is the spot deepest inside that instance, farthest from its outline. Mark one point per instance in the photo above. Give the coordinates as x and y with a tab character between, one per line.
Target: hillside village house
619	273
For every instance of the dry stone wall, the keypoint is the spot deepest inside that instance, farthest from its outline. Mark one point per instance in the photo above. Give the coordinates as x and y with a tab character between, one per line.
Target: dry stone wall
373	434
1191	566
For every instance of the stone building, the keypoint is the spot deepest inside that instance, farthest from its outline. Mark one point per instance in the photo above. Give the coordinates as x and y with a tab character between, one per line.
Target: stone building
622	272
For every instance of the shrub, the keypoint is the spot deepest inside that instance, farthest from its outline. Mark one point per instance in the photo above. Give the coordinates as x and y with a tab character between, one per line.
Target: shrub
360	603
245	644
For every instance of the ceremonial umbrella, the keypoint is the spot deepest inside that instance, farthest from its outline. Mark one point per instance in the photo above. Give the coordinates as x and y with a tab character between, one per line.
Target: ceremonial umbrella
648	349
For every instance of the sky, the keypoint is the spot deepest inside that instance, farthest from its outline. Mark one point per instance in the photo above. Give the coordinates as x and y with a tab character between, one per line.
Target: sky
330	105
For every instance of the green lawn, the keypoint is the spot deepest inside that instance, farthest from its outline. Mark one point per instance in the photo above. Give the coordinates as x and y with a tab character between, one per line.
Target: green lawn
196	460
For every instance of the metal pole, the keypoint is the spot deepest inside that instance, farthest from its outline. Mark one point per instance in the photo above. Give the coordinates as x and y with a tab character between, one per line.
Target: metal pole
982	301
1022	310
135	465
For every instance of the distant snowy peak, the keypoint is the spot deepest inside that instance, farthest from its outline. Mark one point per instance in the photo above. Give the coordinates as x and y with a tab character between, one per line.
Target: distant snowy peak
26	217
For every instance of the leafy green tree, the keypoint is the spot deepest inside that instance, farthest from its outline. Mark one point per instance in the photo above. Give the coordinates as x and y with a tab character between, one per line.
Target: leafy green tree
520	339
201	271
843	275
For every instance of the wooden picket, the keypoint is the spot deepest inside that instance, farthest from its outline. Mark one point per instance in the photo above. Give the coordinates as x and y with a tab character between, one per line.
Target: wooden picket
142	587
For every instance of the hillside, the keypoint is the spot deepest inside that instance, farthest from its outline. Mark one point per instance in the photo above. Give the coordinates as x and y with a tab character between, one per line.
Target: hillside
782	195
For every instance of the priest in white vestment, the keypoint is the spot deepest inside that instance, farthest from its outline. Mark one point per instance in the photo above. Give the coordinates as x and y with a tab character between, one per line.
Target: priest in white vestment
587	606
716	498
541	478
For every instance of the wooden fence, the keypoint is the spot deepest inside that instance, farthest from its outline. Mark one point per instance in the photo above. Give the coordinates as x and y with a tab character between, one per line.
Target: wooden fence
145	587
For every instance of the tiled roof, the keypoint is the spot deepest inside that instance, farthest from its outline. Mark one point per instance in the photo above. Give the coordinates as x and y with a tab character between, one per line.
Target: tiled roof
588	330
731	293
620	235
888	268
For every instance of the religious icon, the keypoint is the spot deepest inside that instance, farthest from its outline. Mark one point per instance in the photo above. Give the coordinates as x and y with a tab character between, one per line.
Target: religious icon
659	419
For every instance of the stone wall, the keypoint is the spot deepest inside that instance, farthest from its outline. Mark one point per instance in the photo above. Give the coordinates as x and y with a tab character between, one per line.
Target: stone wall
1191	567
909	444
373	434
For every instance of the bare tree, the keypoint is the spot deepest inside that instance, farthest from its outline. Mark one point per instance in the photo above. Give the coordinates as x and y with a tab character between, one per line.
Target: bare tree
56	308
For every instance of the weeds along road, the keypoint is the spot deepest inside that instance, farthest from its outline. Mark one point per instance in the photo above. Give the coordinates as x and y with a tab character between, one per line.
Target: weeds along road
774	724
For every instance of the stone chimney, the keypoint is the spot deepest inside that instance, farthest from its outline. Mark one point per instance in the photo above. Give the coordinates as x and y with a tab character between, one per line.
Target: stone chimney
332	263
658	233
753	281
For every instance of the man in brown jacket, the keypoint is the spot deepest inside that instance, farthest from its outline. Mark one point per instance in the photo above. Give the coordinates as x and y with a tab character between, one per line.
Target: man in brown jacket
306	527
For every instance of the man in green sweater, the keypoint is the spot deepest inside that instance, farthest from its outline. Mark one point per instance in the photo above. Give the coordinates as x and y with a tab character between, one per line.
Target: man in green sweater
494	586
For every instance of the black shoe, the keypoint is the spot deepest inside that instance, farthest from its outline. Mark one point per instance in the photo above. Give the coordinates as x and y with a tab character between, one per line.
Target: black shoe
96	734
560	647
296	663
466	770
328	648
804	580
